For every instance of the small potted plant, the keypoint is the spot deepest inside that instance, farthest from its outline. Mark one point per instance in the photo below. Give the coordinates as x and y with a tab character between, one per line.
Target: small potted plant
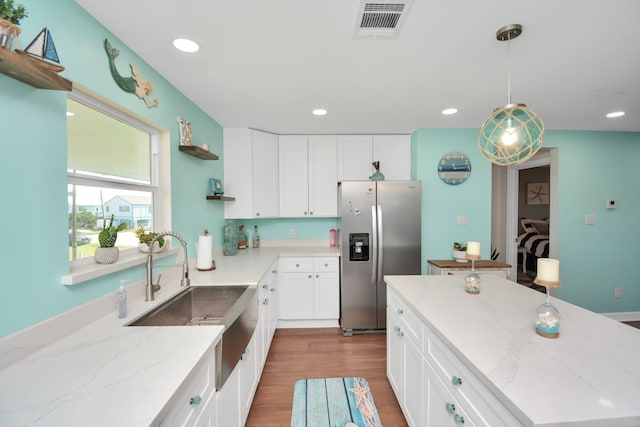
10	16
145	238
460	251
107	253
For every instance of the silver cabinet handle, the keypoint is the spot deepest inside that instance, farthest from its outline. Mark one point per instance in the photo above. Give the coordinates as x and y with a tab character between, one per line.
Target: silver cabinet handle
266	301
195	400
257	213
456	380
317	276
458	419
310	276
398	331
297	265
451	408
265	286
272	289
400	311
326	265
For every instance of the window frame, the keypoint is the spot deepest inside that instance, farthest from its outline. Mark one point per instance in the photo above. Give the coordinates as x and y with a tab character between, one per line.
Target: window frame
156	185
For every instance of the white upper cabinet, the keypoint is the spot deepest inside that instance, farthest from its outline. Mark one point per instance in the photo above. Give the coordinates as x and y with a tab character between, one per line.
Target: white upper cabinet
308	176
251	173
356	153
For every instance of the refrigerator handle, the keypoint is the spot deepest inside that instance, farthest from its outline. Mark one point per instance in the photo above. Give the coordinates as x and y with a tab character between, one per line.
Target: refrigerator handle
373	245
380	244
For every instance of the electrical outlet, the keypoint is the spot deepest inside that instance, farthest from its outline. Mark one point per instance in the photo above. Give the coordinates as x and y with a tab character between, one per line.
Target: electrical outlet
292	233
611	204
617	293
463	219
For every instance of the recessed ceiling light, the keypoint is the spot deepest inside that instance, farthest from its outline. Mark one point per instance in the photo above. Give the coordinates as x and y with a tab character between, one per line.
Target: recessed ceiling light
186	45
319	112
449	111
615	114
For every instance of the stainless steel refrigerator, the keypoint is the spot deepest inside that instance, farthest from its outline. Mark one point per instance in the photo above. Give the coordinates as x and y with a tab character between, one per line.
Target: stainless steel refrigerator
380	233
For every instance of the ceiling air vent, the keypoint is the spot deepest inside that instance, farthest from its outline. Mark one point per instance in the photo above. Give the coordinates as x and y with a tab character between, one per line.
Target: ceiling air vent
381	18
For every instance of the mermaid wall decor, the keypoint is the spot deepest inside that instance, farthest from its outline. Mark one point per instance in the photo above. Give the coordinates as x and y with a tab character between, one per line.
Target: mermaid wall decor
135	84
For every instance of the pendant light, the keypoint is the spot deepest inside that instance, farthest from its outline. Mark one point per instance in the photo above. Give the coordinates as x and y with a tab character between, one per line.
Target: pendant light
513	133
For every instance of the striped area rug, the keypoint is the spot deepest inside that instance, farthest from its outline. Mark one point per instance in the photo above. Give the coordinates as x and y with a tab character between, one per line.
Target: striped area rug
333	402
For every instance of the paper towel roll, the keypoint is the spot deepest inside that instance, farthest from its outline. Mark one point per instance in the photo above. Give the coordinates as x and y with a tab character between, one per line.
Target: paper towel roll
204	253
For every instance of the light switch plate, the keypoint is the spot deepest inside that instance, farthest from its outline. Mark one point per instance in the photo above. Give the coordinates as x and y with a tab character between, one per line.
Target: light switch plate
590	219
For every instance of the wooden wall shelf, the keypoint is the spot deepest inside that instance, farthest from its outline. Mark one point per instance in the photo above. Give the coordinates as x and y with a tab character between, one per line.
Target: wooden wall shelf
198	152
223	198
30	71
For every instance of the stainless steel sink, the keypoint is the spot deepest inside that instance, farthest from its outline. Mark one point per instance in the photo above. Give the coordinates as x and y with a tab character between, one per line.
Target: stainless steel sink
234	307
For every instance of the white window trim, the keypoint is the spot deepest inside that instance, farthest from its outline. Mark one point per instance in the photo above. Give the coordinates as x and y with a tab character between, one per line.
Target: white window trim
87	269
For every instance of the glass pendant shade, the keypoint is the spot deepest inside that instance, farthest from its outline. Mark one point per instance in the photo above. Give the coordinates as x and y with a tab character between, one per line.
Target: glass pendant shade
511	135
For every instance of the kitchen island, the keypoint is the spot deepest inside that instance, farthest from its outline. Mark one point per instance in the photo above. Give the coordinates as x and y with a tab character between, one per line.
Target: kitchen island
482	355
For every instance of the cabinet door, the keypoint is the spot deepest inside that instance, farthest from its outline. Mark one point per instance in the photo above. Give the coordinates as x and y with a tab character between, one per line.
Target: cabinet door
294	182
412	382
265	174
354	157
394	154
248	377
228	401
296	295
394	354
441	409
238	179
323	175
326	296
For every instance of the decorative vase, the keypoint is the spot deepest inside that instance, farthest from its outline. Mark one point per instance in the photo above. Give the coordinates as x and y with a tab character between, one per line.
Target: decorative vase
8	33
230	244
107	255
143	247
460	256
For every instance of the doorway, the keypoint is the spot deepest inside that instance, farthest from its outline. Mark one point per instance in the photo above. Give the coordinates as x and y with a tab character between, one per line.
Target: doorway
505	232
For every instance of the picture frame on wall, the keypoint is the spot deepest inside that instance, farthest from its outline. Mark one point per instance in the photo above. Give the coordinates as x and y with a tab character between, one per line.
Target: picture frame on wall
217	186
538	193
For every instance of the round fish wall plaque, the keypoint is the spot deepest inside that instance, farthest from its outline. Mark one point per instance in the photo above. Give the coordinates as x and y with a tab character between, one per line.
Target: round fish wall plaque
454	168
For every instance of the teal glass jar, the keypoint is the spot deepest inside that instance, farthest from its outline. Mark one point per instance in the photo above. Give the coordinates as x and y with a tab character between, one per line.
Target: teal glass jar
230	243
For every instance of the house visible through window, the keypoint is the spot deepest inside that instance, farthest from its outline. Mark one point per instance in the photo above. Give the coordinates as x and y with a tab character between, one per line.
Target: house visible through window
112	173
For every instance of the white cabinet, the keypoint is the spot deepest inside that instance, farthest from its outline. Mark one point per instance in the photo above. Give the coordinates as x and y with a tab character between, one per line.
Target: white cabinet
356	153
251	173
268	312
404	361
308	175
228	401
192	399
434	387
248	378
309	289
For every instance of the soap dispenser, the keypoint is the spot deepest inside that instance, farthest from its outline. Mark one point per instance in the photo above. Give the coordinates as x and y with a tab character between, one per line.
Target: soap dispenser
122	303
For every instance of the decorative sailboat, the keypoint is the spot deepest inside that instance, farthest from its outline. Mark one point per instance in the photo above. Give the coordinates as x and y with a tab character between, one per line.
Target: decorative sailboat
43	49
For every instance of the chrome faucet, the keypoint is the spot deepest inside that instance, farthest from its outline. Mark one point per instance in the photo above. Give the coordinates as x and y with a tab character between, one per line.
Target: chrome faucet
151	288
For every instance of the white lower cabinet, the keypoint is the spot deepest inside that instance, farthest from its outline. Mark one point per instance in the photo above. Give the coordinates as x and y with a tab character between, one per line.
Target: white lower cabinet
433	387
248	380
404	368
228	402
192	398
309	288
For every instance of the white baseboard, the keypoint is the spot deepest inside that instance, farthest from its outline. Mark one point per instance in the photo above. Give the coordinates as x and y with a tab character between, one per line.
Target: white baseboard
628	316
290	324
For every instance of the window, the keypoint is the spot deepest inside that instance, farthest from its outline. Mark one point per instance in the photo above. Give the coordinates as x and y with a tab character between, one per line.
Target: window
112	168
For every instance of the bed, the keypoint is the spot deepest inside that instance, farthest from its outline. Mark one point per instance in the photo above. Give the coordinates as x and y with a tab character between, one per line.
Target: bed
533	242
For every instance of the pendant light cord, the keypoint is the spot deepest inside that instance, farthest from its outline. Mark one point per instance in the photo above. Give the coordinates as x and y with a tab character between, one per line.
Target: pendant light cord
509	69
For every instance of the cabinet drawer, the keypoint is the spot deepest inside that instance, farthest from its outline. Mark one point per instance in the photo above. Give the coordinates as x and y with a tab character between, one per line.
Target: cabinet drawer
296	264
325	264
409	322
192	395
478	401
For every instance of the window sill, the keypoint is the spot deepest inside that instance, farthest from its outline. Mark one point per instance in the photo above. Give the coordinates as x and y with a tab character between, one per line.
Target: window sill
92	270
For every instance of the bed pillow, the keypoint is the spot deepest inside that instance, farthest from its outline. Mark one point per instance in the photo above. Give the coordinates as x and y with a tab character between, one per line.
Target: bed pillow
539	226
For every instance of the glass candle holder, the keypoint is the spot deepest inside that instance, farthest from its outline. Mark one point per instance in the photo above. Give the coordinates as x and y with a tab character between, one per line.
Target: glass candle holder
548	319
472	280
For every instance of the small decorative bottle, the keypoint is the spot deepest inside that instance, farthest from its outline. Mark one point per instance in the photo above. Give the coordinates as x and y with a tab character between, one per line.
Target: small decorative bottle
243	239
255	241
230	245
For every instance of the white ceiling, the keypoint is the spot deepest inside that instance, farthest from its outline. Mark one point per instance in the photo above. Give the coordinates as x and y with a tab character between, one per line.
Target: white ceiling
267	64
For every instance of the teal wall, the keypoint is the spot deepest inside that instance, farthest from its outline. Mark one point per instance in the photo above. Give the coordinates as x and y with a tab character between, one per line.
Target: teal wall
33	172
443	203
594	167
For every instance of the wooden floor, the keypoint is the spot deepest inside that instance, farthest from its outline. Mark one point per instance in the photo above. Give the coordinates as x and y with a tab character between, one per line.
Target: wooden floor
321	353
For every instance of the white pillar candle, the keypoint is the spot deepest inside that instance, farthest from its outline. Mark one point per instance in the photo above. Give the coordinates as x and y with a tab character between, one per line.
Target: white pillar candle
473	248
548	270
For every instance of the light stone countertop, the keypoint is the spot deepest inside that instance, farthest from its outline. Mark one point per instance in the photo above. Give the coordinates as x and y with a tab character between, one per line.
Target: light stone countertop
106	374
588	376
